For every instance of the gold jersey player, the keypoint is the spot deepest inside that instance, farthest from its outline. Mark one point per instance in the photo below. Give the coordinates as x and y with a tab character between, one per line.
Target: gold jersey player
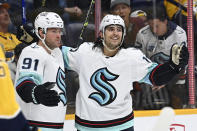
11	118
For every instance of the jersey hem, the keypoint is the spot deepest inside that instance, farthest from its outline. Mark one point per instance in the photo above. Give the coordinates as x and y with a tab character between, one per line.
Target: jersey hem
102	124
46	124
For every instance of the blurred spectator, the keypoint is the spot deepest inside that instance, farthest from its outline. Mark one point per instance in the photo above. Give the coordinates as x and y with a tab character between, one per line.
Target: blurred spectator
60	7
177	12
7	39
75	26
138	20
156	40
84	6
34	7
121	8
139	16
15	12
13	64
76	23
16	5
133	22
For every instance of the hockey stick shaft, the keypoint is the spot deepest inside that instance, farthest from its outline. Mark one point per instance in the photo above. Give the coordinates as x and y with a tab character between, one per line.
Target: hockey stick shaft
23	12
85	24
43	3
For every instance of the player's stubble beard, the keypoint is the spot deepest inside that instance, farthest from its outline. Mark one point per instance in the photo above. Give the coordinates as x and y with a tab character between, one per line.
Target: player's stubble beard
112	46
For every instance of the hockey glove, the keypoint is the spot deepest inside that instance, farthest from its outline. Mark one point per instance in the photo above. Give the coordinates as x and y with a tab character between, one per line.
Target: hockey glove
42	94
178	57
26	34
164	73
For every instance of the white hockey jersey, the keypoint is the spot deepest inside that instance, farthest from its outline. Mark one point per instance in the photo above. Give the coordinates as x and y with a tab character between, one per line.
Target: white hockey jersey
158	49
103	100
39	66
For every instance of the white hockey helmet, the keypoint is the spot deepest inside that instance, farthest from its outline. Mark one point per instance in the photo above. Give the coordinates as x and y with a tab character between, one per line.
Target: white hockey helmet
112	20
46	20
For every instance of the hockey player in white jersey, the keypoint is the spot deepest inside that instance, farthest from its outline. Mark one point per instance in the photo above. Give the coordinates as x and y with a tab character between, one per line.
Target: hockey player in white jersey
155	40
106	72
40	76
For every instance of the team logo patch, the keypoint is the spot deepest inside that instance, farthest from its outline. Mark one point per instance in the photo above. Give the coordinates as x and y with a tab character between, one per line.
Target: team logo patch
150	48
61	85
106	93
138	45
160	58
74	49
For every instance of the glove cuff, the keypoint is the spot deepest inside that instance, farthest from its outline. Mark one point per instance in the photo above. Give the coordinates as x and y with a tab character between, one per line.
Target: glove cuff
33	96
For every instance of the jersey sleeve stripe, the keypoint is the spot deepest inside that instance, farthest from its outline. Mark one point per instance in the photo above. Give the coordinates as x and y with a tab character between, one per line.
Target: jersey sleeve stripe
25	83
46	124
152	74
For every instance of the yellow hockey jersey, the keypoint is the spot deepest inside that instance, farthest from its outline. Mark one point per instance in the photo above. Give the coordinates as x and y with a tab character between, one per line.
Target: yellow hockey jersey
8	105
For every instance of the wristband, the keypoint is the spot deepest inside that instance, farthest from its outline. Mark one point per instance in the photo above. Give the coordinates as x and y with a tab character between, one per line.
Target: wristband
33	96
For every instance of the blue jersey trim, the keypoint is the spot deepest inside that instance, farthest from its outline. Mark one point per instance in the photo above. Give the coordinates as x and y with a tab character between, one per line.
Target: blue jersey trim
65	51
146	78
34	77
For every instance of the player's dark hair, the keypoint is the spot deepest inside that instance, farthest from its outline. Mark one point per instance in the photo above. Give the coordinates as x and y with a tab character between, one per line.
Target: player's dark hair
98	43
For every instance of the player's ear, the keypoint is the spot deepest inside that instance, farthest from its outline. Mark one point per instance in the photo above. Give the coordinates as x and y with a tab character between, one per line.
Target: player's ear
41	33
101	34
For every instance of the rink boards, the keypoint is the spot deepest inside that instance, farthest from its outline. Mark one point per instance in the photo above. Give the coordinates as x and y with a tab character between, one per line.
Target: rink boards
185	120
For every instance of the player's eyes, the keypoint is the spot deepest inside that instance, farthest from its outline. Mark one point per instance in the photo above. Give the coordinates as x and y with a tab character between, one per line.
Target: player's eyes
111	29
